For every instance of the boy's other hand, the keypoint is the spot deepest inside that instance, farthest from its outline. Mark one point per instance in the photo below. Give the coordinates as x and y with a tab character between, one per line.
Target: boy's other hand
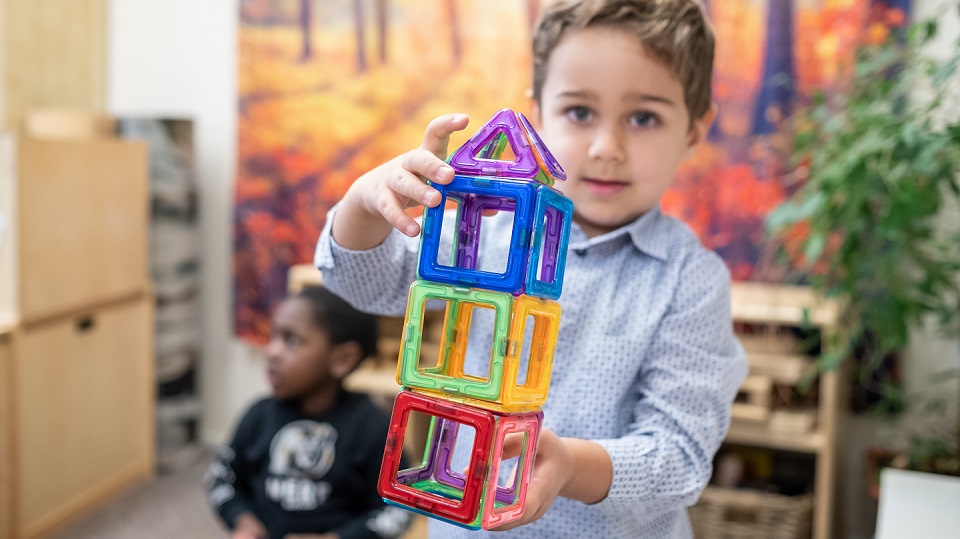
247	526
398	184
552	471
569	467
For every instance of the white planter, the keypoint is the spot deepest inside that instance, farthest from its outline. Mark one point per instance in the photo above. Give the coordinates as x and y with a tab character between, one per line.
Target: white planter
918	505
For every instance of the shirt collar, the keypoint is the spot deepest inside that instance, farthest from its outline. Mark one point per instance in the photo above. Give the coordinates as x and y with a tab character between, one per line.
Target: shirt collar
645	232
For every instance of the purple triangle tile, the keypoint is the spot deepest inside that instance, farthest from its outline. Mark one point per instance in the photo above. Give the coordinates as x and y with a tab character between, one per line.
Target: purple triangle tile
466	161
549	163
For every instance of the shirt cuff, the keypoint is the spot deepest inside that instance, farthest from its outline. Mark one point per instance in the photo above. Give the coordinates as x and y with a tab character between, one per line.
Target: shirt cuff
329	254
630	458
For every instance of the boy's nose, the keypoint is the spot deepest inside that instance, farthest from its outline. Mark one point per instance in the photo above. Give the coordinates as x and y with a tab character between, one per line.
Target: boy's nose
606	145
273	348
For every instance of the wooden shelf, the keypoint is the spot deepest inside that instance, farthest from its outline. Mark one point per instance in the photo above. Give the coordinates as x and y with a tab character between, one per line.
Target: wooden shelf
8	321
778	304
761	436
373	380
786	369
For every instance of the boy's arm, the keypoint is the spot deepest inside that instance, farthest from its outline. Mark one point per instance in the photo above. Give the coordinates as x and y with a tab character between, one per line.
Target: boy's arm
691	372
662	463
376	201
227	481
375	519
386	522
362	258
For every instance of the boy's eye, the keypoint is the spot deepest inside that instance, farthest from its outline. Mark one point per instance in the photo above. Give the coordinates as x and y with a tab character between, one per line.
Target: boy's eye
579	113
290	340
643	119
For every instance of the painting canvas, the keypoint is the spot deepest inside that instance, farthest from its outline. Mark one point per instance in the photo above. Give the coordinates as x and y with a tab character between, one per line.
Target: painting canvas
329	89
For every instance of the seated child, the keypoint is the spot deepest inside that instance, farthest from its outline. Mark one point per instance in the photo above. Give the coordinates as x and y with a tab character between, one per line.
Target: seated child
305	462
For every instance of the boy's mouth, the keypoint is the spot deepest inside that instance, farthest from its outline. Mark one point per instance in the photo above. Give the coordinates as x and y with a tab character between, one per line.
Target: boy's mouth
273	377
603	187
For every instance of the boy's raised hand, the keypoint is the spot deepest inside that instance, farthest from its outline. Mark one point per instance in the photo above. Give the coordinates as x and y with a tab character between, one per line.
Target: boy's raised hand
376	201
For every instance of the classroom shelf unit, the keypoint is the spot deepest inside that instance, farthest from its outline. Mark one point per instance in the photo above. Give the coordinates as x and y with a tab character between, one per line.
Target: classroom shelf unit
777	360
76	329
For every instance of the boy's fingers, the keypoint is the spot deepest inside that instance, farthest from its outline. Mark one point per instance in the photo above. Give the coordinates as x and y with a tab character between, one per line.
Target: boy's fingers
392	211
407	184
428	165
437	136
512	445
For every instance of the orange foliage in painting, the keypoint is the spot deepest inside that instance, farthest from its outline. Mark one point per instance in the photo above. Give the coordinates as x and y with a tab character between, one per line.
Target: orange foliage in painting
309	127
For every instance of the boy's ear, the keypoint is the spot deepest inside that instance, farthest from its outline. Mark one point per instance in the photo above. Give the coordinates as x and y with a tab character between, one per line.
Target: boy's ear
344	358
700	129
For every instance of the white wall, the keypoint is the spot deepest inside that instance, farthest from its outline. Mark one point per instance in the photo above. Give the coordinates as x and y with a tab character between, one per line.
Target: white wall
177	58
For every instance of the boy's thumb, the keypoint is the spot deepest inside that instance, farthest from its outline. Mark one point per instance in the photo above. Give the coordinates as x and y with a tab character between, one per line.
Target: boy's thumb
437	136
512	445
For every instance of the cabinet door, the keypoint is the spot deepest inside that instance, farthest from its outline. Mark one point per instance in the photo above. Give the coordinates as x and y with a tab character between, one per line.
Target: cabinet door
6	496
83	218
85	411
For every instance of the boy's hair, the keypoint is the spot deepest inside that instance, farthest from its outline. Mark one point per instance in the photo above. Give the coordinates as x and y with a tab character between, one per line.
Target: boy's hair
676	32
341	322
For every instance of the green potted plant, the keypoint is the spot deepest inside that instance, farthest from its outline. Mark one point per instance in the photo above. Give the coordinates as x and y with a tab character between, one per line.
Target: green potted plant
879	166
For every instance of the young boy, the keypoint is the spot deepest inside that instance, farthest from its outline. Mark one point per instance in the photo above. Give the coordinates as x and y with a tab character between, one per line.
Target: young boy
646	365
304	464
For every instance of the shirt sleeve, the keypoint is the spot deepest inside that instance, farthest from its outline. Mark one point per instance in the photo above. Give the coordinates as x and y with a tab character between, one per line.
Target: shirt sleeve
373	280
228	480
685	390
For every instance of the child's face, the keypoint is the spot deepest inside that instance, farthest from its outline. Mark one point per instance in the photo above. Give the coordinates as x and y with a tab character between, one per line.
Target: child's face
298	355
616	120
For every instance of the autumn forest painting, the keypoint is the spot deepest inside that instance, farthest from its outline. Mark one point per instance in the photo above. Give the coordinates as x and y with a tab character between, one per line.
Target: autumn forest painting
328	89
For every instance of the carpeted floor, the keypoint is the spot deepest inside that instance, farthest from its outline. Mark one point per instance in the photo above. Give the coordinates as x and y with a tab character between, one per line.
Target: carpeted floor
173	505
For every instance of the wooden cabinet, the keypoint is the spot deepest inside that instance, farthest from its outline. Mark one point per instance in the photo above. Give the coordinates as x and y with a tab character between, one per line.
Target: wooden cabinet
81	242
95	365
6	441
76	357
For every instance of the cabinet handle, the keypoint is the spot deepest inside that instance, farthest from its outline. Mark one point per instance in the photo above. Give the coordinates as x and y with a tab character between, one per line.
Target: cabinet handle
85	323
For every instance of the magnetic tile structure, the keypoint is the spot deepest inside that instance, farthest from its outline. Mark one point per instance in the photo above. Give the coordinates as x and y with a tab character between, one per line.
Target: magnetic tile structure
504	404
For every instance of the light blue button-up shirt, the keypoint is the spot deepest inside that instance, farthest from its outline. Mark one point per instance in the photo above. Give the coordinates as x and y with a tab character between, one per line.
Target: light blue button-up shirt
646	363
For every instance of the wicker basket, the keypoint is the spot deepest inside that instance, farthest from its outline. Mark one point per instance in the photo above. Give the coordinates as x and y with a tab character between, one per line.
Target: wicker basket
743	514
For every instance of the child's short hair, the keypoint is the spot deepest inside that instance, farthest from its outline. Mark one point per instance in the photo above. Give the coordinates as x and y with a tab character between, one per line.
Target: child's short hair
339	320
674	31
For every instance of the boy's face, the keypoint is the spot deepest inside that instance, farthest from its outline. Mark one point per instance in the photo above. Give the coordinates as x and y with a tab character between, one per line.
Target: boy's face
298	354
616	120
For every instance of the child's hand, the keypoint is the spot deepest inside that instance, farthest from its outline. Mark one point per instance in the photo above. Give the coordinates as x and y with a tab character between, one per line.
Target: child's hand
386	191
569	467
552	471
247	526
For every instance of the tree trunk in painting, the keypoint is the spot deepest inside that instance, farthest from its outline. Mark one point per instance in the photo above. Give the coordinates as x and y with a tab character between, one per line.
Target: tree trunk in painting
305	25
779	74
383	18
361	37
456	45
